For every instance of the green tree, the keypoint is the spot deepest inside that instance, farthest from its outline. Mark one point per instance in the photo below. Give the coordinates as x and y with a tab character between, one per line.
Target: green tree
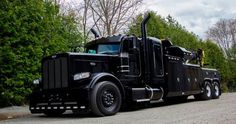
214	57
169	28
29	30
232	65
165	28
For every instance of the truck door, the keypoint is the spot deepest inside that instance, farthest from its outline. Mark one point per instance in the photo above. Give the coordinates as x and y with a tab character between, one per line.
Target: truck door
130	47
157	69
157	60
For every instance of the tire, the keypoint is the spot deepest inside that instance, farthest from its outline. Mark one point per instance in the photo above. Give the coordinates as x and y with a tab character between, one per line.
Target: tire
215	90
105	99
54	113
207	92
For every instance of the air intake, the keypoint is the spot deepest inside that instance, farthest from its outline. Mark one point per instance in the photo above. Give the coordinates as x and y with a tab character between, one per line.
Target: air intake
55	73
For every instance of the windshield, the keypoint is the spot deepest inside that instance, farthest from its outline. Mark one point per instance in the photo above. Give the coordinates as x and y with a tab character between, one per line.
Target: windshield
104	49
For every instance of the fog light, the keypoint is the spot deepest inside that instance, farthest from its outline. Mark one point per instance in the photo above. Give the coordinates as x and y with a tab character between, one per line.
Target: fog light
37	81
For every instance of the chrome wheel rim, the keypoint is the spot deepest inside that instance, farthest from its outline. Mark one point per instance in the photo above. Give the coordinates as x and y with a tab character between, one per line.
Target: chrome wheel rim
208	90
217	90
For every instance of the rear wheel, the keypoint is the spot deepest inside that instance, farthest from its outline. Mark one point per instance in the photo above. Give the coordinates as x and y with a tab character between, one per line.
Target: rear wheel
207	92
216	90
105	99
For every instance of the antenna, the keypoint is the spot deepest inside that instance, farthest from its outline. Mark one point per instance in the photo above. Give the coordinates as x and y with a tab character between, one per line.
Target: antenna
95	33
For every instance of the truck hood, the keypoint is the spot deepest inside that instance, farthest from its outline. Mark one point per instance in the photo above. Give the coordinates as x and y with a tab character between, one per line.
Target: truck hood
94	63
58	70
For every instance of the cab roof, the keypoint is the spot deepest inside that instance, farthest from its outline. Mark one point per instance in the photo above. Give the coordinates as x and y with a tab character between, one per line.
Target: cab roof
117	39
108	39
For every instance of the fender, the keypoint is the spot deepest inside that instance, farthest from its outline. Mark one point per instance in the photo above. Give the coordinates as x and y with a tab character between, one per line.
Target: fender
211	80
207	79
106	77
203	83
216	79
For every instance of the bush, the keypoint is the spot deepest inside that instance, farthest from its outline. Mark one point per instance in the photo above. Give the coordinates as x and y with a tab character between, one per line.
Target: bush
29	30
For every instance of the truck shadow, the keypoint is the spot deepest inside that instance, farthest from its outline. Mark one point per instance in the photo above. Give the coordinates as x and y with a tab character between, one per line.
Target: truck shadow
162	104
159	103
68	115
138	107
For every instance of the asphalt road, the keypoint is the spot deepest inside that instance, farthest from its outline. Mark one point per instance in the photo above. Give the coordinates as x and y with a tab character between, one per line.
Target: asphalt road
219	111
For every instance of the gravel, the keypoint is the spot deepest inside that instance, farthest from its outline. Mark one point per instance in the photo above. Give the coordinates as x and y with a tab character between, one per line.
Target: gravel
218	111
13	112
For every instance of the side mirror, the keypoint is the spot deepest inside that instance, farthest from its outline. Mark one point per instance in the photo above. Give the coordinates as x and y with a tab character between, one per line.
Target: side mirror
134	50
135	45
130	45
135	42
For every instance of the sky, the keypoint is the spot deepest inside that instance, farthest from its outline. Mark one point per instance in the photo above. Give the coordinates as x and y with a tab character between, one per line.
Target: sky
195	15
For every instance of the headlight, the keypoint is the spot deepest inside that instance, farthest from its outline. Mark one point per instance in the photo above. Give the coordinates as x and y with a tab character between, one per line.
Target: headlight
82	75
37	81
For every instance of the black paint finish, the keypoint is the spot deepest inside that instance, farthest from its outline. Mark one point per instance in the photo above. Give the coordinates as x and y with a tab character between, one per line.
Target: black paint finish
144	69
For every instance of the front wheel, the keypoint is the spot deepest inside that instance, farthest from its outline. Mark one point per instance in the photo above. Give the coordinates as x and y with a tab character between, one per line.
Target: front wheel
105	99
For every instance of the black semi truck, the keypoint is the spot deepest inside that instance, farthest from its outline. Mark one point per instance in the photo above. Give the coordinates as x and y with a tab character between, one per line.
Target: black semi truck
118	71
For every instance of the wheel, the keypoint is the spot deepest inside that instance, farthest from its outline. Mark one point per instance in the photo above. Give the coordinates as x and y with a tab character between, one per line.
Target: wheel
54	113
207	92
105	99
216	90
